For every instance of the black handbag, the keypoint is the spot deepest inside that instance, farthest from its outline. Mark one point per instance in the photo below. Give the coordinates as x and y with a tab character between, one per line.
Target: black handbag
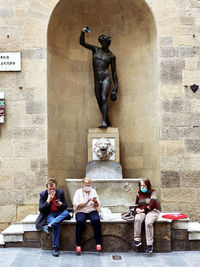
129	215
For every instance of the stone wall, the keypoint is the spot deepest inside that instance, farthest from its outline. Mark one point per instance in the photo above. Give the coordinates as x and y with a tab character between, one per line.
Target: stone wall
163	142
23	137
179	129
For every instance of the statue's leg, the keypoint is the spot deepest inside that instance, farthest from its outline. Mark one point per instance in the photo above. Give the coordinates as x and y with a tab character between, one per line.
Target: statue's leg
104	96
97	89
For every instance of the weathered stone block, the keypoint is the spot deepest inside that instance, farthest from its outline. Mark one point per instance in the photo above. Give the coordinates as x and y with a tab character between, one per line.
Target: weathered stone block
32	196
35	107
190	77
190	179
192	146
171	91
23	180
195	108
176	207
189	93
8	213
176	105
40	178
171	147
134	162
194	208
177	195
25	210
170	179
179	234
187	52
5	180
195	119
187	20
171	70
194	162
191	63
189	133
168	52
168	133
176	119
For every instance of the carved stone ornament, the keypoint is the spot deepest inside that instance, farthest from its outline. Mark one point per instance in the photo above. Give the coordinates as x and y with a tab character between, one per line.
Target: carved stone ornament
103	149
194	87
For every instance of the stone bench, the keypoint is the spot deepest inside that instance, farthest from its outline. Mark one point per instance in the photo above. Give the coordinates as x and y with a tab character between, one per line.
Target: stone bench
117	235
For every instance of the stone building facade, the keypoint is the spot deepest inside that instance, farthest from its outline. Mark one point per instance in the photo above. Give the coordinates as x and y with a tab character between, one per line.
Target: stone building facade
50	103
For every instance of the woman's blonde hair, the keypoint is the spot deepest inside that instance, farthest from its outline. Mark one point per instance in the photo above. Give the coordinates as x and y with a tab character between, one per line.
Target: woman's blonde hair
86	180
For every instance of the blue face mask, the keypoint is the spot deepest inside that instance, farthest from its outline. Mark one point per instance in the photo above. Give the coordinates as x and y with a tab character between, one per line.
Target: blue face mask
144	190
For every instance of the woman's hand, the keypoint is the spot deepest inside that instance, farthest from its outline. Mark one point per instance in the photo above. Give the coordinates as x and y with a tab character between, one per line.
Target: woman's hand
96	204
89	199
139	210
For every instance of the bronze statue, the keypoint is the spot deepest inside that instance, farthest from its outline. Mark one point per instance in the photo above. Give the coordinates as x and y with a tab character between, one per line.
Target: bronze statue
102	57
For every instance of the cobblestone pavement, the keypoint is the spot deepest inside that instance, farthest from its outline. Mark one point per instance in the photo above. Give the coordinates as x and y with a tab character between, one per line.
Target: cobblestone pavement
34	257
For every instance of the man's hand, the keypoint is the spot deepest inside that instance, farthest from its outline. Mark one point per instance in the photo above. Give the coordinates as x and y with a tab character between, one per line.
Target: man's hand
58	203
51	196
86	29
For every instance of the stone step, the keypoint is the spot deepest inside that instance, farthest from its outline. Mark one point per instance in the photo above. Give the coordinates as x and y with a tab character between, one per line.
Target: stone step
2	240
194	231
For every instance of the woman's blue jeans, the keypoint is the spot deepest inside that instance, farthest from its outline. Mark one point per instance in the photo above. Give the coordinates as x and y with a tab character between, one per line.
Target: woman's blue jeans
54	219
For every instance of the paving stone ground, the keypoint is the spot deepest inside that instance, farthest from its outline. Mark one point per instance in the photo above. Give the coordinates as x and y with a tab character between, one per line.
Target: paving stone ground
33	257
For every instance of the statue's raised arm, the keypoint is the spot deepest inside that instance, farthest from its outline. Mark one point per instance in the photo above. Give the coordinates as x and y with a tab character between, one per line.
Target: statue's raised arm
82	39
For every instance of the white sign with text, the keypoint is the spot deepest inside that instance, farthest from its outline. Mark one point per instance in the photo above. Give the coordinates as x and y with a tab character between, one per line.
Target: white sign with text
10	61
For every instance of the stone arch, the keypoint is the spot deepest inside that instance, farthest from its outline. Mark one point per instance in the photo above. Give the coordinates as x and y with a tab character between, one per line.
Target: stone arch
72	107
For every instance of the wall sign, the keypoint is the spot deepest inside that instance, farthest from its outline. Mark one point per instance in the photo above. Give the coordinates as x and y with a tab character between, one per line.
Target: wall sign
10	61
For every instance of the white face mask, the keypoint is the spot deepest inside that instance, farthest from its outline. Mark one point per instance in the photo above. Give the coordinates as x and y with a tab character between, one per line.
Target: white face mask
87	188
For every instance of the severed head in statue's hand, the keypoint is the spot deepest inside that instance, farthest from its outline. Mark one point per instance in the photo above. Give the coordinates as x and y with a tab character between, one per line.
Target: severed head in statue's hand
113	95
86	29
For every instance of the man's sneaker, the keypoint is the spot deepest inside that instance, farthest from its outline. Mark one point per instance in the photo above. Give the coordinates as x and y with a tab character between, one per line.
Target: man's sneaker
55	252
98	248
149	249
46	229
136	244
78	250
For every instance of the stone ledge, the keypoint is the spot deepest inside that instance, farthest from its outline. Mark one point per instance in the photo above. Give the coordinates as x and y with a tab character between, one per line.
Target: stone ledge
116	218
1	240
194	227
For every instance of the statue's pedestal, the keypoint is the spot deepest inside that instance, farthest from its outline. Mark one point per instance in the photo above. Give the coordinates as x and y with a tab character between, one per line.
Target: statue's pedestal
103	154
95	134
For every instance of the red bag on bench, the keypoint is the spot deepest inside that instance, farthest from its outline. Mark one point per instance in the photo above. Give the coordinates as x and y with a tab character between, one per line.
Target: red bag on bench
175	216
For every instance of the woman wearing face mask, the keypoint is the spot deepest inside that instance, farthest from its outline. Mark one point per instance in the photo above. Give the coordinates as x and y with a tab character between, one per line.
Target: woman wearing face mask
86	204
148	210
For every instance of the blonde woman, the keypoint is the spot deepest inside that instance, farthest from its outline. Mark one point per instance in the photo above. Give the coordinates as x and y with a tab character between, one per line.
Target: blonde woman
86	205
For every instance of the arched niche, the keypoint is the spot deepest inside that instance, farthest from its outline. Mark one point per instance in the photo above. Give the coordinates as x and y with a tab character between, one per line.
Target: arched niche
72	107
